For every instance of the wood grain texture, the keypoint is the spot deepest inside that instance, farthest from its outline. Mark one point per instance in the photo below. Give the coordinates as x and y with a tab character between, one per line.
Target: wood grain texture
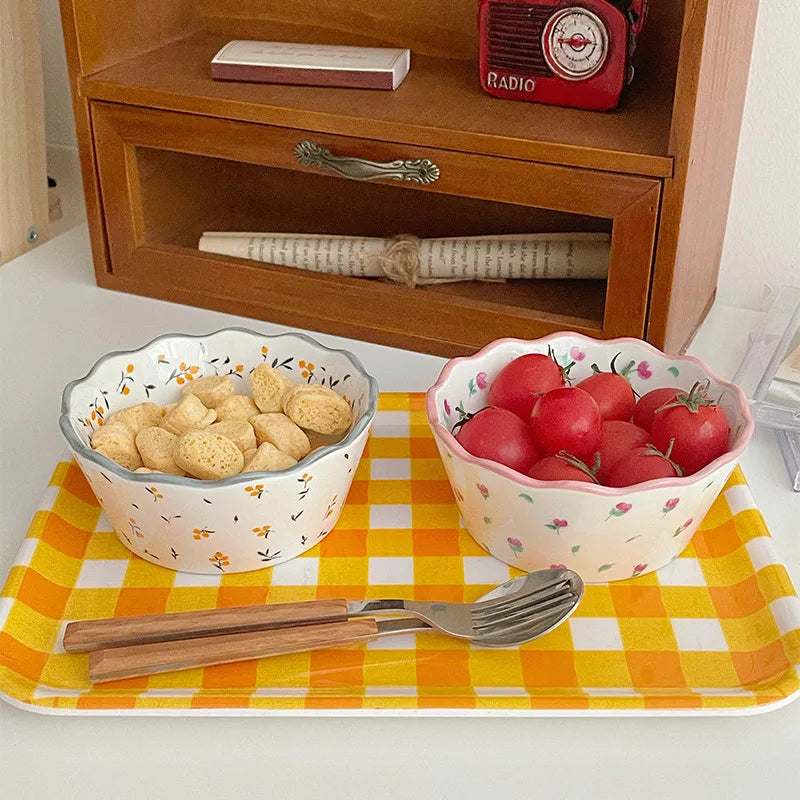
23	169
678	124
96	634
110	31
709	102
147	659
632	139
458	317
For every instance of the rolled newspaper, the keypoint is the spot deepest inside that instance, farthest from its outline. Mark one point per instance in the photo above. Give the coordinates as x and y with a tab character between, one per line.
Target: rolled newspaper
417	262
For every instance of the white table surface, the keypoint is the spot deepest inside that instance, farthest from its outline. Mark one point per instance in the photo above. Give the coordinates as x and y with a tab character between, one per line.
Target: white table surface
54	323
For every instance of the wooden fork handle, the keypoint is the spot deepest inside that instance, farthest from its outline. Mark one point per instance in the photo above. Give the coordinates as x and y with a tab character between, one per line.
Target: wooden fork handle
80	637
133	661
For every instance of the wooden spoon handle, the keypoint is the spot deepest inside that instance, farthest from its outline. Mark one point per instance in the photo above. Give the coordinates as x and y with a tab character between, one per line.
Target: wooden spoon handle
147	659
96	634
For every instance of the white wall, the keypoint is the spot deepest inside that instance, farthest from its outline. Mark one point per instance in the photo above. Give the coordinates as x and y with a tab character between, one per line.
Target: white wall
761	245
761	242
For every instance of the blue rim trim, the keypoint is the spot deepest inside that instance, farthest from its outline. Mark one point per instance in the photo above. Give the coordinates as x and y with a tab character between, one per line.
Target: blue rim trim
77	446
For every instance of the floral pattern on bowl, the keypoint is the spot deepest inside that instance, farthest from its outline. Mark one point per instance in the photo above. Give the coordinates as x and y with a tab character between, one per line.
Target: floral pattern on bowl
604	534
241	523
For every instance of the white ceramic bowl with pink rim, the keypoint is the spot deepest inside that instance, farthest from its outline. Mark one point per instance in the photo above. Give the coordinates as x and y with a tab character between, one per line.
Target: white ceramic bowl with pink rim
237	524
603	533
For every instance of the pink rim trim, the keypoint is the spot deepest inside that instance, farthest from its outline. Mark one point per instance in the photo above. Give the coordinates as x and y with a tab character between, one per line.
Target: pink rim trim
447	438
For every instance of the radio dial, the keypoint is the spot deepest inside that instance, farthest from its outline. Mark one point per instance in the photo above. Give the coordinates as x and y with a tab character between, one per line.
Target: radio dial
575	43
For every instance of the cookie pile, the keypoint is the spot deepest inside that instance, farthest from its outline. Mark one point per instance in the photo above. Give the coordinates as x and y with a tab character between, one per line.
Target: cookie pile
213	433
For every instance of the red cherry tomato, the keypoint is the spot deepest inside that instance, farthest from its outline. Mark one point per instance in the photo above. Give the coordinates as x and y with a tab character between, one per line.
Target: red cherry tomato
567	419
617	440
612	393
640	465
649	403
696	430
501	436
519	384
556	468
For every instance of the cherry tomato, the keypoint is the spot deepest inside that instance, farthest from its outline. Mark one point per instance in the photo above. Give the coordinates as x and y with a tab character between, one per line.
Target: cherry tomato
612	393
519	384
617	440
649	403
558	468
640	465
501	436
567	419
695	430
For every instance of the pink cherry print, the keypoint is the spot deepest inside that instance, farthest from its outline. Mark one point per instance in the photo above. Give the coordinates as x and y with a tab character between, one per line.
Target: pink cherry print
447	409
623	507
576	354
644	370
560	523
482	489
639	569
558	566
481	381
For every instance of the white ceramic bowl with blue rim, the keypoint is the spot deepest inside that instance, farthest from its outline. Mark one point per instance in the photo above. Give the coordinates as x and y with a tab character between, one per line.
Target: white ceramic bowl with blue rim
241	523
603	533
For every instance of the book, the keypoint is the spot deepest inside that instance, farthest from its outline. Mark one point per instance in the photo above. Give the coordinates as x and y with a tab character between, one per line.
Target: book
311	64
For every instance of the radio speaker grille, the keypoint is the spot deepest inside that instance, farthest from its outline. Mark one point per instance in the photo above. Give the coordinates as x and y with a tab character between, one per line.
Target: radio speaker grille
514	32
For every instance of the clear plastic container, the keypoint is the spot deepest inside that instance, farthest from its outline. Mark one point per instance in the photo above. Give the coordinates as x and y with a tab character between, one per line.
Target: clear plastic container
770	374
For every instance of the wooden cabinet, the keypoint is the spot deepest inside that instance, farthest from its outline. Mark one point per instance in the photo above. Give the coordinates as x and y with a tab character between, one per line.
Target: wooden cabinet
168	153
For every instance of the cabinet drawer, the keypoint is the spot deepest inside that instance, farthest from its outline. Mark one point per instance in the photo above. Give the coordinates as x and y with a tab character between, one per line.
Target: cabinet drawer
166	177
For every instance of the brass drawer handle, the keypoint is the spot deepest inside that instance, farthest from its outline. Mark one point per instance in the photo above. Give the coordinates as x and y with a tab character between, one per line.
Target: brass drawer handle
419	170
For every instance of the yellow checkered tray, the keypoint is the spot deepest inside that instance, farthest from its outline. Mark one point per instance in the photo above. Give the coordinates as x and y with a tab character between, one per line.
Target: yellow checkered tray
716	631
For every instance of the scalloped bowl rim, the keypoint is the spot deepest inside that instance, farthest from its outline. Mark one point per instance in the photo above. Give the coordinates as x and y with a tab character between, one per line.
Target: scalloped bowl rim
106	463
452	443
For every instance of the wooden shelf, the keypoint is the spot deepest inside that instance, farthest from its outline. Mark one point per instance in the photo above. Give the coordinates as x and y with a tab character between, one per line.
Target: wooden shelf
439	104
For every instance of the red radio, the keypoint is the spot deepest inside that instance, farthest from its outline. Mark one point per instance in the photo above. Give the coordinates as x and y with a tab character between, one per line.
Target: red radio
566	54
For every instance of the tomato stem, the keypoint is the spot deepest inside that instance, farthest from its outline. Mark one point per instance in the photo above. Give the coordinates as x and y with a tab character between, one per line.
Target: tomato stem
466	418
652	450
696	398
573	461
564	369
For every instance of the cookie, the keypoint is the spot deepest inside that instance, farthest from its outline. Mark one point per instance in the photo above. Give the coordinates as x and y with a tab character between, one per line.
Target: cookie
211	390
237	406
239	431
208	456
188	415
318	408
268	459
279	430
115	440
143	415
269	386
155	446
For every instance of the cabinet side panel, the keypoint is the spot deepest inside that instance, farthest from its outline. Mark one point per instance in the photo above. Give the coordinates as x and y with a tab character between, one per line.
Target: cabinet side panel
709	101
110	31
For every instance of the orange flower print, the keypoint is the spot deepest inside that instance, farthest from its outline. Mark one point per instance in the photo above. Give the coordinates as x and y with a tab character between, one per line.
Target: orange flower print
305	480
262	531
125	380
97	411
331	505
306	369
219	560
264	351
135	529
256	490
201	533
153	490
183	373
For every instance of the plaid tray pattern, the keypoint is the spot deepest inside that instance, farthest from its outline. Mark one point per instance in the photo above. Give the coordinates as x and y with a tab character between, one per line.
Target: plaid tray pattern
718	629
